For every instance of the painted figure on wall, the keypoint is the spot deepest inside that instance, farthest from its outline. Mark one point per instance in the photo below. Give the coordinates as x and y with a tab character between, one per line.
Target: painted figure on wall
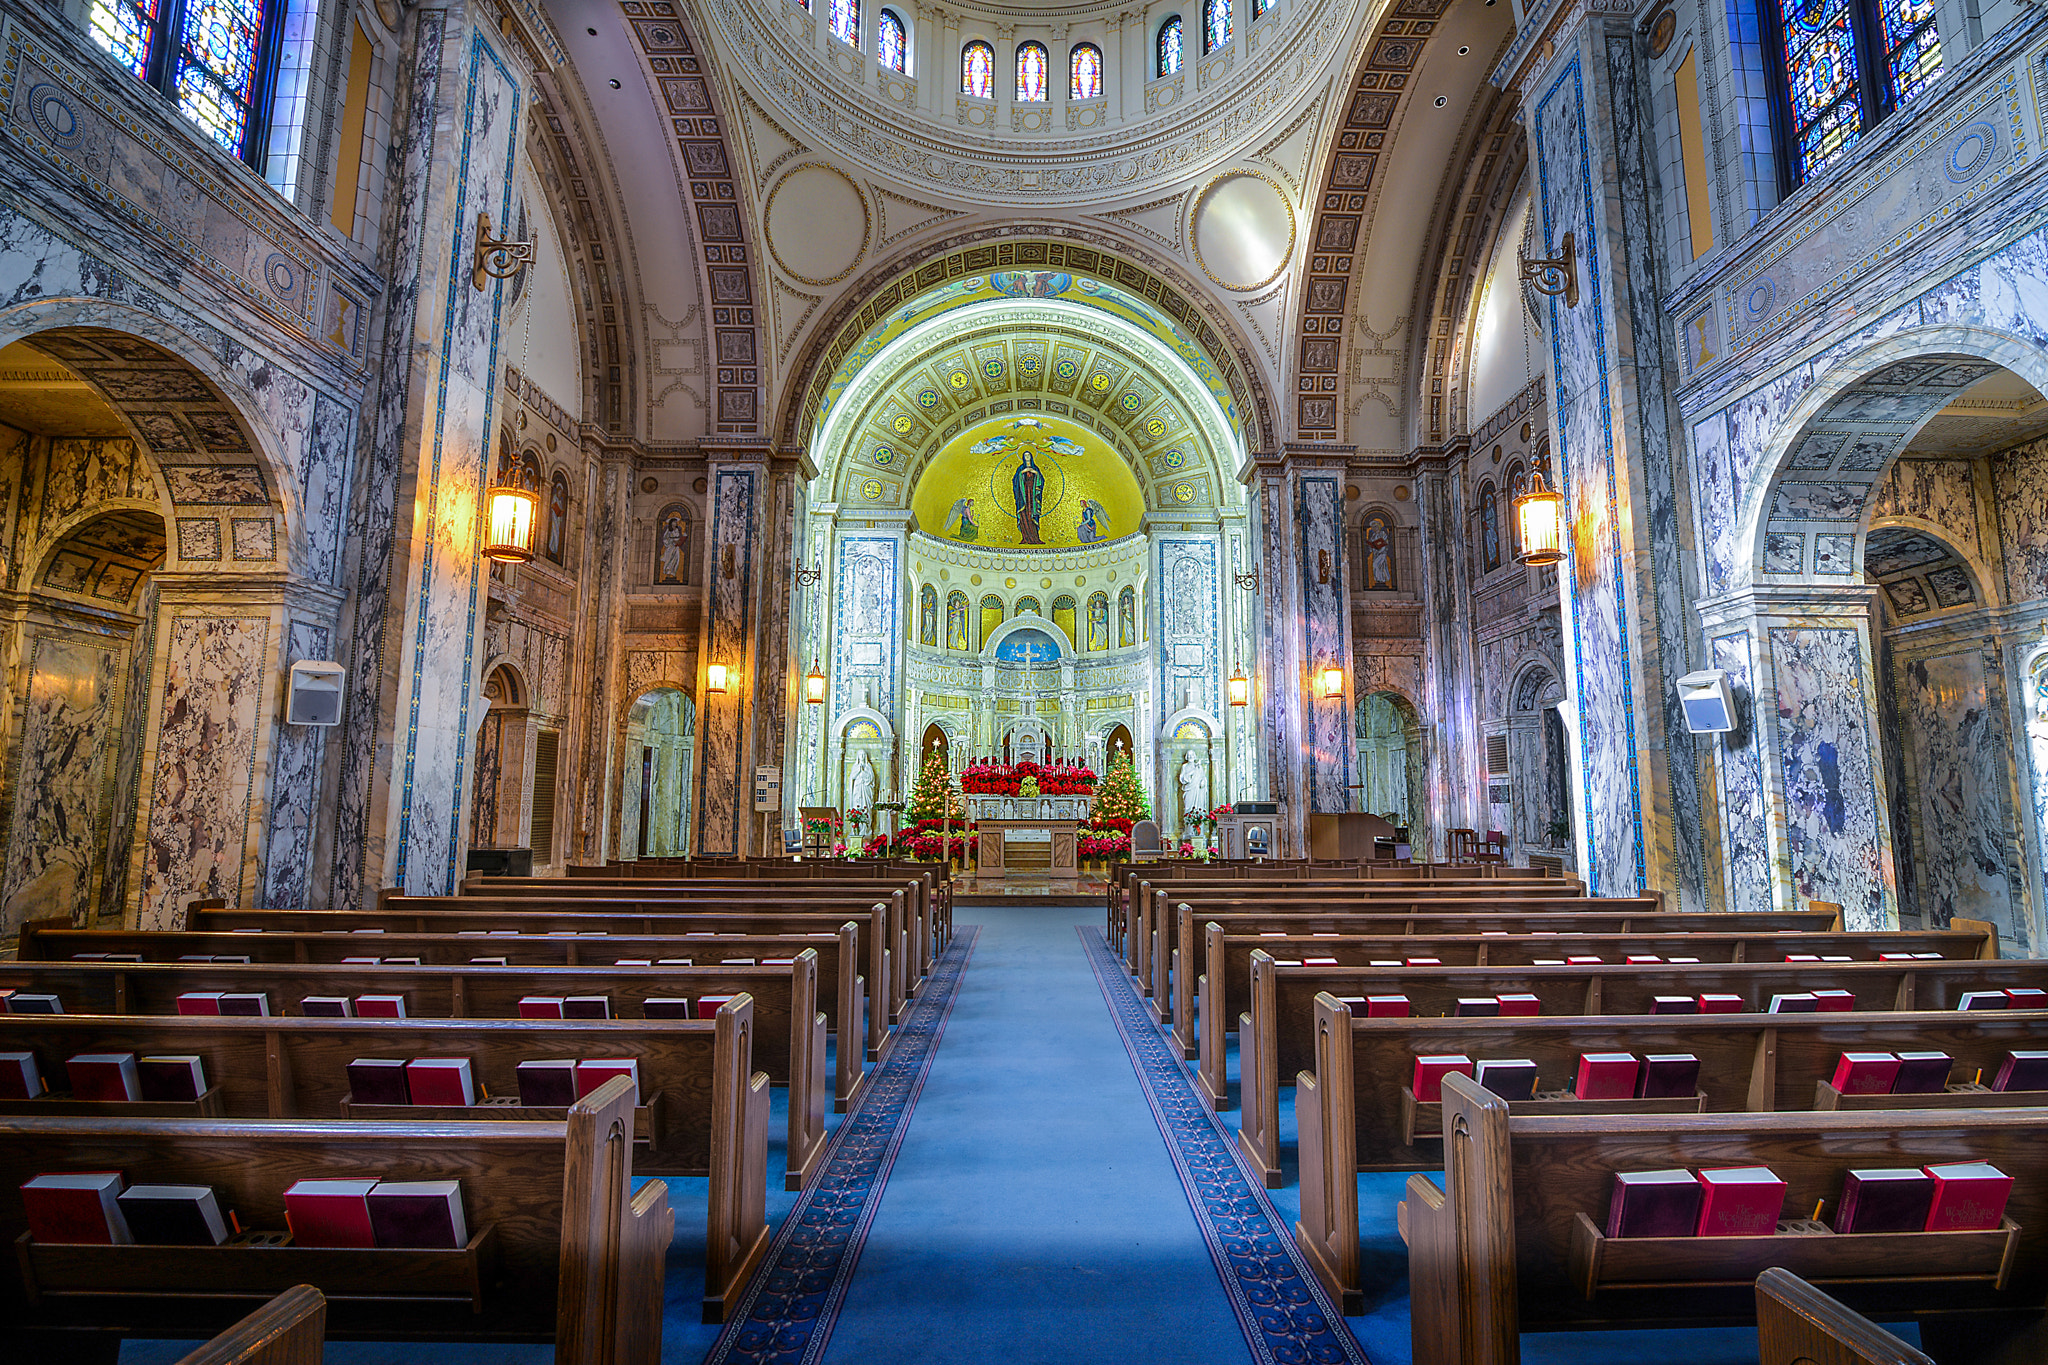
956	621
1127	618
1094	522
1098	622
1489	528
960	521
1027	486
558	518
928	615
670	547
1379	552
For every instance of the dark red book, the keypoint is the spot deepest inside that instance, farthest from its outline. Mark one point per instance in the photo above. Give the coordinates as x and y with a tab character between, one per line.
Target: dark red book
667	1007
1521	1005
596	1071
1386	1007
1641	959
330	1213
549	1082
419	1213
103	1076
1606	1076
327	1007
1668	1076
199	1002
20	1077
441	1080
252	1005
378	1080
587	1007
380	1007
1674	1004
1582	960
2026	998
1425	962
173	1215
1654	1204
76	1207
1833	1002
171	1078
1478	1007
540	1007
1430	1071
1740	1201
2023	1071
1865	1073
1714	1003
1884	1201
1969	1196
1922	1073
1511	1080
707	1005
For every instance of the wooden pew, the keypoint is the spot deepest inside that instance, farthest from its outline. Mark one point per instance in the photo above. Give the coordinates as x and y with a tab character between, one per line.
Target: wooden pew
1797	1324
1510	1242
562	1247
1276	1038
788	1036
289	1330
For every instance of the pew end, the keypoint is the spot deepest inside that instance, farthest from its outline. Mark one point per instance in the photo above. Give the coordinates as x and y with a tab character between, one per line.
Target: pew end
738	1226
289	1330
1328	1230
1797	1323
1979	926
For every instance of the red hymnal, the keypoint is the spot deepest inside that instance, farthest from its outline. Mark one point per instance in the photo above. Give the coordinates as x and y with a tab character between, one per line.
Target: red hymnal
595	1072
1641	959
667	1007
1606	1076
1720	1004
20	1078
1833	1002
419	1213
103	1076
587	1007
540	1007
1866	1073
1511	1080
1654	1204
1520	1006
251	1005
2023	1071
551	1082
330	1213
1386	1007
707	1005
171	1078
1742	1201
1580	961
1478	1007
2026	998
327	1007
173	1215
1425	962
441	1080
1802	957
378	1080
1674	1004
1981	1000
22	1002
1969	1196
77	1207
1884	1201
199	1002
1306	962
1668	1075
380	1007
1922	1073
1794	1002
1431	1070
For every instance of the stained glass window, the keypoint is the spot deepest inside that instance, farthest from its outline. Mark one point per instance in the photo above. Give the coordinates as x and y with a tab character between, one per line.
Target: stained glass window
1832	101
1169	47
1031	68
1215	24
978	70
214	57
1259	8
1084	72
844	17
891	47
127	32
1912	47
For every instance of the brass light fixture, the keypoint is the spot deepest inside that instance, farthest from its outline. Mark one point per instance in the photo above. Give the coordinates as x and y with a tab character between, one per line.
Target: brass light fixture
1333	682
510	515
814	685
1240	688
1557	275
496	258
1539	514
714	678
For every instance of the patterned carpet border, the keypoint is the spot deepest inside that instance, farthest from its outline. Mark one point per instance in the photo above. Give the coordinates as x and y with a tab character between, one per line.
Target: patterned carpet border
1286	1316
787	1313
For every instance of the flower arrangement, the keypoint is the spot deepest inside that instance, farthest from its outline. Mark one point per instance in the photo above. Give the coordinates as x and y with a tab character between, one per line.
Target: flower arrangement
818	826
857	819
989	777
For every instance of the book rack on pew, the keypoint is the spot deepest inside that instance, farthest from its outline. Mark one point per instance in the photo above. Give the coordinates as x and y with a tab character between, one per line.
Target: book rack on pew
1425	1118
211	1104
1811	1250
650	1120
1962	1095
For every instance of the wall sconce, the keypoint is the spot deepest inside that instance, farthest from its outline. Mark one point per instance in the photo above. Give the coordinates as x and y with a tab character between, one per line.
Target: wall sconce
808	577
1556	275
510	515
814	685
1248	580
496	258
1240	688
1539	513
714	678
1333	682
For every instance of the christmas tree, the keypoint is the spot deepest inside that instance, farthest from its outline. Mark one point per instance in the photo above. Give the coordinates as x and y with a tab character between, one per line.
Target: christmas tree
933	793
1120	797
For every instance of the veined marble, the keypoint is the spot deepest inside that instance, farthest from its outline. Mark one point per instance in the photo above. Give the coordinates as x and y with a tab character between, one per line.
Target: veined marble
1827	779
727	793
60	789
295	768
1319	544
1936	491
1967	855
1745	844
2020	478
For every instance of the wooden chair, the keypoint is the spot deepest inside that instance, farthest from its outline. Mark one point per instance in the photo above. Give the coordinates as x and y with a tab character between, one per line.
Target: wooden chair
289	1330
1492	849
1463	843
1145	846
1796	1324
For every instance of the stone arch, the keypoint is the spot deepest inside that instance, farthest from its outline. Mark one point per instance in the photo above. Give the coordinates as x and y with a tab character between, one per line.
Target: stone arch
501	801
1020	624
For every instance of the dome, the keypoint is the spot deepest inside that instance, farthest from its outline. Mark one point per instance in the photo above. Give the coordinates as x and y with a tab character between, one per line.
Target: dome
1026	482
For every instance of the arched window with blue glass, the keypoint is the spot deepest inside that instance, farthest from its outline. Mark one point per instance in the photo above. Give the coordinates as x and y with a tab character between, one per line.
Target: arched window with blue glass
1828	100
844	18
892	42
1084	72
1032	63
215	59
1168	47
978	70
1215	24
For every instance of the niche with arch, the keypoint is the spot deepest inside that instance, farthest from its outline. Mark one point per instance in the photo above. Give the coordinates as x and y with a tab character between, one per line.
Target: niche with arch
657	760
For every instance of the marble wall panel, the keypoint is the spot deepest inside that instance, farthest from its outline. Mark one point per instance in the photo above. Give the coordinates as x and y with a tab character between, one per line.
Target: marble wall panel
1189	640
1966	850
2019	478
1826	776
215	678
16	448
295	768
1745	841
1319	544
1716	498
126	803
1937	491
85	473
735	498
868	599
56	846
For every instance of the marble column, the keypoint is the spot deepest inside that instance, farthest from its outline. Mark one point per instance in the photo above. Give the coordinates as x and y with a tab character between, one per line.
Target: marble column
596	709
1450	703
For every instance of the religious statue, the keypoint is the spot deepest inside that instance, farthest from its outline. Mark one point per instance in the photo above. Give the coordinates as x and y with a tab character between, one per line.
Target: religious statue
1027	486
1098	622
860	784
960	521
558	518
956	621
1379	553
1194	786
1126	619
668	555
928	616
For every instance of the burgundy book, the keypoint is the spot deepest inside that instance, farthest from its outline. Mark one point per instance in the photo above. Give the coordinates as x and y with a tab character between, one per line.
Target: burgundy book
667	1007
20	1077
1884	1201
441	1080
2023	1071
330	1213
380	1007
171	1078
2026	998
707	1005
1511	1080
76	1207
1922	1073
587	1007
1668	1076
327	1007
1430	1071
1641	959
1606	1076
1969	1196
1674	1004
1478	1007
594	1072
1654	1204
1833	1002
419	1213
378	1080
1425	962
103	1076
1521	1005
1386	1007
173	1215
1715	1003
549	1082
1741	1201
1582	960
540	1007
246	1005
199	1002
1865	1073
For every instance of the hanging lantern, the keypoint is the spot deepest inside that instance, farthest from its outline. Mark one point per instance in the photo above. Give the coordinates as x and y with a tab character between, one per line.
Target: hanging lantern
1539	514
1333	682
814	685
714	678
512	513
1240	688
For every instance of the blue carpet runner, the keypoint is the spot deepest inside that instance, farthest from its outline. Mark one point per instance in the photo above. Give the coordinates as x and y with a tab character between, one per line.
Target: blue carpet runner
785	1317
1286	1316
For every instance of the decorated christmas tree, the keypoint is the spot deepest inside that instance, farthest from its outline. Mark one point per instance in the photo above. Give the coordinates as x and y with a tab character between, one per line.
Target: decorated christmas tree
932	794
1120	797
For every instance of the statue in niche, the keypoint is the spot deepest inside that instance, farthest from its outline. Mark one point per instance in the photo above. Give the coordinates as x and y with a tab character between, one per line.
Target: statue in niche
1194	786
928	616
1126	618
1027	486
1489	528
860	784
558	518
1098	622
1379	553
670	543
956	621
960	521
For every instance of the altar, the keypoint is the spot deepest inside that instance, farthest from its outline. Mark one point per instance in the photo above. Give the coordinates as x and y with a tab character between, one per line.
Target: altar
1032	846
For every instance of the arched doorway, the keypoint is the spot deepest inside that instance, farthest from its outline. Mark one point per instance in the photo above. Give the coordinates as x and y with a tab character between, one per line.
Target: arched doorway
1391	771
502	810
657	758
1539	775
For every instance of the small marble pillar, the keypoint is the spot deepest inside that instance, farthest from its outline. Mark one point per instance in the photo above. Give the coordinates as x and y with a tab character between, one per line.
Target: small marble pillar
595	700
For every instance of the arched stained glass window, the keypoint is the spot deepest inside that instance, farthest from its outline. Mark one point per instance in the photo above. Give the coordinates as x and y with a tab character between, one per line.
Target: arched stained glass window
978	70
1084	72
1031	69
1215	24
1169	47
892	46
1259	8
1821	71
1912	47
215	58
844	17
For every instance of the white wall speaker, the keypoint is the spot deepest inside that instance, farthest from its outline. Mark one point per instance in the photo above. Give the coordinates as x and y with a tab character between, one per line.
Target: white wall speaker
1708	701
315	697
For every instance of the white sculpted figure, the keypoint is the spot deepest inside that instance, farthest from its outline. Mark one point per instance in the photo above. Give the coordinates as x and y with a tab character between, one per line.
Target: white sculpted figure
1194	787
860	784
